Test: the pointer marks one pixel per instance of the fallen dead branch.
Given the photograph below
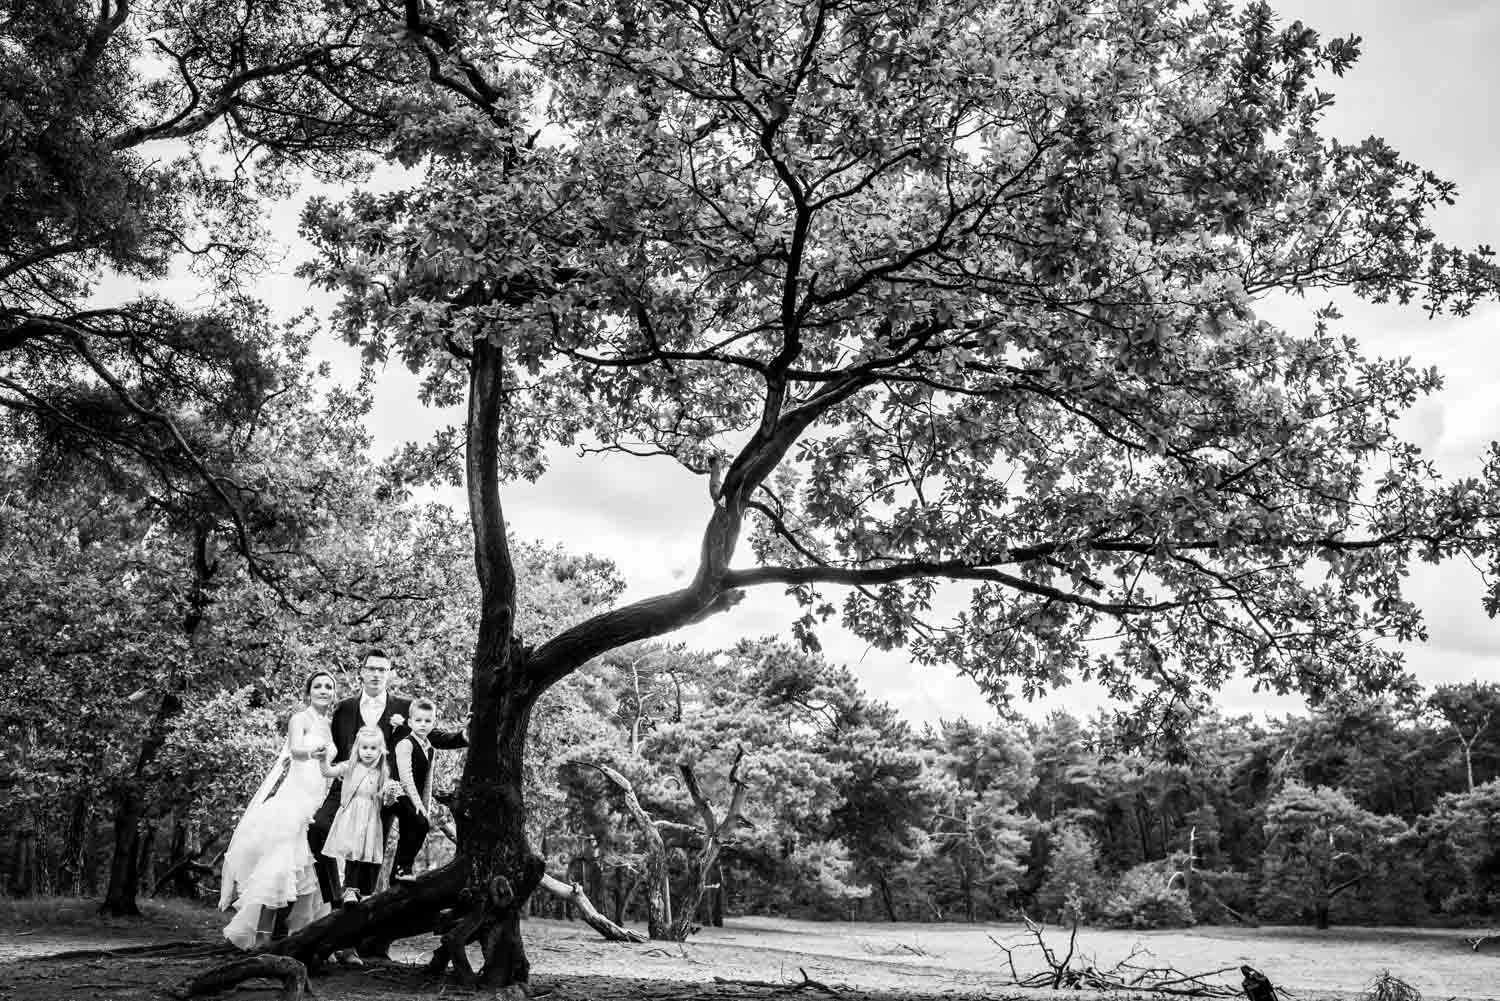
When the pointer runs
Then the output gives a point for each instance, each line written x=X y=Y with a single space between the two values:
x=1072 y=971
x=807 y=984
x=897 y=949
x=573 y=893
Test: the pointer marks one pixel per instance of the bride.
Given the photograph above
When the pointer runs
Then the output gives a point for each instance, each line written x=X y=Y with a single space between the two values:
x=268 y=867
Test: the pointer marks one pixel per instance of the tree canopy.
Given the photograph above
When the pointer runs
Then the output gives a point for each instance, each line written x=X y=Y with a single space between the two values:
x=950 y=294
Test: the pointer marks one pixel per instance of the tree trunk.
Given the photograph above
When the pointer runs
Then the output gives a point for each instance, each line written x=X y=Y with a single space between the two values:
x=124 y=866
x=617 y=894
x=966 y=881
x=130 y=812
x=592 y=875
x=130 y=802
x=185 y=869
x=73 y=869
x=720 y=897
x=706 y=861
x=1320 y=915
x=146 y=865
x=659 y=924
x=697 y=886
x=182 y=879
x=622 y=908
x=882 y=881
x=25 y=867
x=491 y=812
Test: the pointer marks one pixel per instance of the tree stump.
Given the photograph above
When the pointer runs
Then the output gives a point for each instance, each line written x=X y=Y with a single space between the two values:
x=1258 y=986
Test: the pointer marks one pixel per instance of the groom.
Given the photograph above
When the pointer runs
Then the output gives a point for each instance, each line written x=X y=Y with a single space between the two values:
x=374 y=706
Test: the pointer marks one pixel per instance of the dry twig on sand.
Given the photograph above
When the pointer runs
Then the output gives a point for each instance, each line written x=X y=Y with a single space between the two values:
x=1483 y=940
x=807 y=984
x=1388 y=988
x=1073 y=972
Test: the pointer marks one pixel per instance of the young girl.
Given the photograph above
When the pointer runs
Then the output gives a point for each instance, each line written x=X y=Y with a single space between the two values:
x=356 y=834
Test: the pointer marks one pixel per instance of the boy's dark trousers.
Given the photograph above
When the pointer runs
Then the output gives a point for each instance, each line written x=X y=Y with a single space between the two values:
x=414 y=828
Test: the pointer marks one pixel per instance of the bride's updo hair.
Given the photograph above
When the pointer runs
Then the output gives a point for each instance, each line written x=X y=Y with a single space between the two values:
x=307 y=685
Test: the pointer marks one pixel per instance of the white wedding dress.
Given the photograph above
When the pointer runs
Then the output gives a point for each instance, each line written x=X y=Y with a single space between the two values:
x=268 y=863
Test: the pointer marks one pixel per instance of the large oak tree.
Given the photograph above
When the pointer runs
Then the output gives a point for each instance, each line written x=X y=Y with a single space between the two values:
x=964 y=293
x=959 y=293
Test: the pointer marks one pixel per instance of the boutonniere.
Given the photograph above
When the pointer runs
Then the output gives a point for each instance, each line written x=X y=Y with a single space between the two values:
x=397 y=719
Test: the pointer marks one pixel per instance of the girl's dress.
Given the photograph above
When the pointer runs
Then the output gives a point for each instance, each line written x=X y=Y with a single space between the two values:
x=268 y=863
x=356 y=834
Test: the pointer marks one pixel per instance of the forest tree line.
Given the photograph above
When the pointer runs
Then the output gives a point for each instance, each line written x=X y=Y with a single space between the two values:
x=142 y=707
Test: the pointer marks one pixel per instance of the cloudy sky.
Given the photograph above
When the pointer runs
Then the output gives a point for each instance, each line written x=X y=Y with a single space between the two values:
x=1423 y=84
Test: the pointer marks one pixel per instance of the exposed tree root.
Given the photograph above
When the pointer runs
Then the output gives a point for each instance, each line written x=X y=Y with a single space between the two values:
x=292 y=974
x=491 y=918
x=470 y=925
x=439 y=900
x=406 y=909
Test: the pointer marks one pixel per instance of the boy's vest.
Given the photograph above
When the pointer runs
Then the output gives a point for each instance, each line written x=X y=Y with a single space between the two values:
x=421 y=769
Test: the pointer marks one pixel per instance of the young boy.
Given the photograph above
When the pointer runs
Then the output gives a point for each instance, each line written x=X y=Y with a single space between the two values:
x=414 y=772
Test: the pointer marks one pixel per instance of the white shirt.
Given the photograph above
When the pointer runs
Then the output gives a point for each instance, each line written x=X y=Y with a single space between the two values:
x=370 y=709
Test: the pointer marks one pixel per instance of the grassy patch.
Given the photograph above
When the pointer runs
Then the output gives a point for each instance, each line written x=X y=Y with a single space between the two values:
x=159 y=918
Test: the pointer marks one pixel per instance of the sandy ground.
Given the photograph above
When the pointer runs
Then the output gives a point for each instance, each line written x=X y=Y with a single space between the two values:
x=878 y=962
x=1438 y=962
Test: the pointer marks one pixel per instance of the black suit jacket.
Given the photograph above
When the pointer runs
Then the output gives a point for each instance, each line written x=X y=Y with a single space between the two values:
x=346 y=723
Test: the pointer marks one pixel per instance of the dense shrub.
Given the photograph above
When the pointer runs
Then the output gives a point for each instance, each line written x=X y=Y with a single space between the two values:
x=1223 y=896
x=1145 y=896
x=1072 y=887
